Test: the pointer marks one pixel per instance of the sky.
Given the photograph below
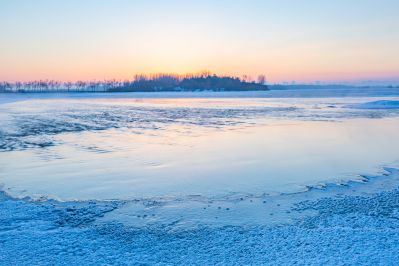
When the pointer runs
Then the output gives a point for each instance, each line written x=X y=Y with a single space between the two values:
x=287 y=40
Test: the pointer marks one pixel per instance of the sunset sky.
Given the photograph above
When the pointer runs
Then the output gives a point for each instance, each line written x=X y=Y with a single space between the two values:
x=302 y=41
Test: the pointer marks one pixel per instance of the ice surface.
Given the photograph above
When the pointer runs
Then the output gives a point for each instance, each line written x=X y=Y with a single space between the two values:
x=169 y=147
x=28 y=123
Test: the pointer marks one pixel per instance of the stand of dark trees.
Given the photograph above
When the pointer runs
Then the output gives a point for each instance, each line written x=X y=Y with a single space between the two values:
x=142 y=83
x=194 y=83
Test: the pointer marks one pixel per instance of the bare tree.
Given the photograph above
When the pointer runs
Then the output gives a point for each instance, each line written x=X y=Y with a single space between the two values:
x=262 y=79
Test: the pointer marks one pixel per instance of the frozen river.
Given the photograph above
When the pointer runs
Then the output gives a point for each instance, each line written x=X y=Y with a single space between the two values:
x=185 y=161
x=127 y=148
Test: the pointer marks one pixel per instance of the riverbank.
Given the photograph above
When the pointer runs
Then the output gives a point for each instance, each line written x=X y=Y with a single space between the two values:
x=356 y=226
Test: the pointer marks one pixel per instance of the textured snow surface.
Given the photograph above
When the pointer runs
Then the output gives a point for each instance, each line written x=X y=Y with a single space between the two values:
x=359 y=229
x=382 y=104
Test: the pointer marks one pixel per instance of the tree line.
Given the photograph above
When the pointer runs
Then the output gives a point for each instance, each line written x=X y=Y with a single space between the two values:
x=141 y=83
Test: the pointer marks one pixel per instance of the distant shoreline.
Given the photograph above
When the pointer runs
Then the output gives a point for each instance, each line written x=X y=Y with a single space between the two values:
x=142 y=83
x=265 y=88
x=243 y=87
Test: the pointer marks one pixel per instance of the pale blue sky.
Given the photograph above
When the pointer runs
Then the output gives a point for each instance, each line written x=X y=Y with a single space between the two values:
x=304 y=40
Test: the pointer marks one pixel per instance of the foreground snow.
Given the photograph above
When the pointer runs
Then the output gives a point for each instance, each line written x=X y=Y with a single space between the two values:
x=343 y=229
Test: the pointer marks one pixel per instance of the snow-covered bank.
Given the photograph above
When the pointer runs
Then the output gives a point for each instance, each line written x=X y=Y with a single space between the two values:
x=382 y=104
x=275 y=92
x=359 y=225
